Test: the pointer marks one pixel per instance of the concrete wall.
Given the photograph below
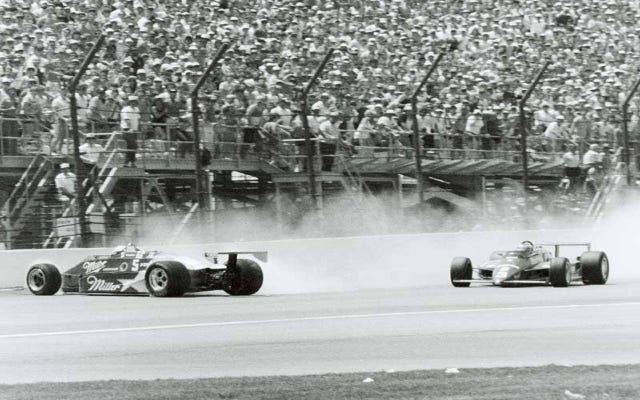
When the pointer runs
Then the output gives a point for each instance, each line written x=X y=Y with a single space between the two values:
x=351 y=263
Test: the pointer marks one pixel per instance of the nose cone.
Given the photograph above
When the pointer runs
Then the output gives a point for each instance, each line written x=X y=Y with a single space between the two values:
x=503 y=273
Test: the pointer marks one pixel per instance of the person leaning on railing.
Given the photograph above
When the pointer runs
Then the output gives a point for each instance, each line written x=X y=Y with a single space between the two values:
x=130 y=124
x=273 y=134
x=9 y=127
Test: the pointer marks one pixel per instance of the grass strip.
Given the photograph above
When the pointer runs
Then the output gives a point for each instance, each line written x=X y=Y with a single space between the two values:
x=551 y=382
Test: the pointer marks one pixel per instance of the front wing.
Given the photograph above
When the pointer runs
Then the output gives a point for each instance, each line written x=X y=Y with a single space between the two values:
x=509 y=282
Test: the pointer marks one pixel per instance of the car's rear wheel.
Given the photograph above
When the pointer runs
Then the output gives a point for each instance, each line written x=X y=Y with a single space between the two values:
x=595 y=267
x=461 y=269
x=44 y=279
x=246 y=278
x=560 y=272
x=167 y=279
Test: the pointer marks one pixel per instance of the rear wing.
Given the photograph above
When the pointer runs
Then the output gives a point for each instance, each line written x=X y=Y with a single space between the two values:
x=557 y=246
x=233 y=256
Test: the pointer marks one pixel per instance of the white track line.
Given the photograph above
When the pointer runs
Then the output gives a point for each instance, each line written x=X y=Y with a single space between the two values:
x=300 y=319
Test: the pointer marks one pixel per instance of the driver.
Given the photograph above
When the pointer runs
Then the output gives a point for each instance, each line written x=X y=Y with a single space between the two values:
x=129 y=248
x=525 y=247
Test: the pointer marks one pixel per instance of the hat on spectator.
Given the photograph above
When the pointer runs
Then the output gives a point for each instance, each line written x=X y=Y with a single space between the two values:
x=64 y=165
x=90 y=135
x=132 y=98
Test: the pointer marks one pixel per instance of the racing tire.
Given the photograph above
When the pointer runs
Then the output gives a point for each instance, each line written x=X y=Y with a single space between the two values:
x=246 y=278
x=167 y=279
x=461 y=268
x=595 y=267
x=560 y=272
x=44 y=279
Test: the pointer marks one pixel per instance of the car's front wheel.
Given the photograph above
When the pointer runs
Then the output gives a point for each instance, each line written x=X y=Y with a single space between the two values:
x=560 y=272
x=167 y=279
x=245 y=278
x=44 y=279
x=461 y=269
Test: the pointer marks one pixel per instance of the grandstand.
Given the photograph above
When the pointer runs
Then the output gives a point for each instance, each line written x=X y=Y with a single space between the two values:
x=266 y=144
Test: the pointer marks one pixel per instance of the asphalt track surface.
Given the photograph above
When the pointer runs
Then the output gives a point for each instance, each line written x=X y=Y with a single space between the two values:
x=75 y=338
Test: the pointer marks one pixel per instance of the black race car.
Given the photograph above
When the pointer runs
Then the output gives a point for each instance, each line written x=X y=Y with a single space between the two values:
x=130 y=270
x=529 y=264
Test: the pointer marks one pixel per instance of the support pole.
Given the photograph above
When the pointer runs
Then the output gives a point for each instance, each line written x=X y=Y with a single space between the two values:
x=305 y=123
x=523 y=133
x=75 y=131
x=625 y=128
x=195 y=114
x=417 y=146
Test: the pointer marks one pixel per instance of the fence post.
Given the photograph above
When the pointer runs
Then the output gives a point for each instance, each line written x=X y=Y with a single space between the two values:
x=625 y=129
x=417 y=145
x=79 y=170
x=523 y=133
x=196 y=129
x=305 y=123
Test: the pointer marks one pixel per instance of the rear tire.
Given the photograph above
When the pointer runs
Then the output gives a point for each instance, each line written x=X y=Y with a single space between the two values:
x=167 y=279
x=595 y=267
x=246 y=278
x=44 y=279
x=560 y=272
x=461 y=268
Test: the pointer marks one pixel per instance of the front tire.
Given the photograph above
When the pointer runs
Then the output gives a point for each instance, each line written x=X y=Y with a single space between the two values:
x=44 y=279
x=595 y=267
x=246 y=278
x=461 y=268
x=168 y=279
x=560 y=272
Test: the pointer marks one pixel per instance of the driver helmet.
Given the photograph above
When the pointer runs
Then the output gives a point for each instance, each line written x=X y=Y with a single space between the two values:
x=118 y=249
x=525 y=247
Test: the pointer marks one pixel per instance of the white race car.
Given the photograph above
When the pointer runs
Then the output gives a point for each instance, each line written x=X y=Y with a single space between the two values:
x=130 y=270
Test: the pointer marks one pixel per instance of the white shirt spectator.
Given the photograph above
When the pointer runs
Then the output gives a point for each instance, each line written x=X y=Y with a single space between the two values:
x=592 y=156
x=474 y=124
x=571 y=160
x=66 y=185
x=90 y=152
x=130 y=118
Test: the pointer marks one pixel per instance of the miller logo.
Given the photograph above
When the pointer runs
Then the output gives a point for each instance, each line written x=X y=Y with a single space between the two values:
x=93 y=266
x=100 y=285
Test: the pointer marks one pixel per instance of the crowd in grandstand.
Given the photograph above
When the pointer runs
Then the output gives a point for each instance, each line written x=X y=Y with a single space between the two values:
x=155 y=51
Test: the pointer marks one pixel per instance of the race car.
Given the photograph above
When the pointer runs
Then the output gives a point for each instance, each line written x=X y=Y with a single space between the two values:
x=129 y=270
x=531 y=264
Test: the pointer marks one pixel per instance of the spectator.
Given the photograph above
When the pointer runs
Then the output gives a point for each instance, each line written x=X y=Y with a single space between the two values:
x=592 y=158
x=65 y=184
x=90 y=151
x=330 y=135
x=493 y=50
x=556 y=133
x=130 y=124
x=97 y=115
x=571 y=162
x=61 y=115
x=9 y=125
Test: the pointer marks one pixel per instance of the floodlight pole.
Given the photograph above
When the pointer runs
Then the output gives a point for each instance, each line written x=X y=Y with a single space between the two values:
x=195 y=114
x=523 y=132
x=417 y=146
x=75 y=131
x=305 y=123
x=625 y=128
